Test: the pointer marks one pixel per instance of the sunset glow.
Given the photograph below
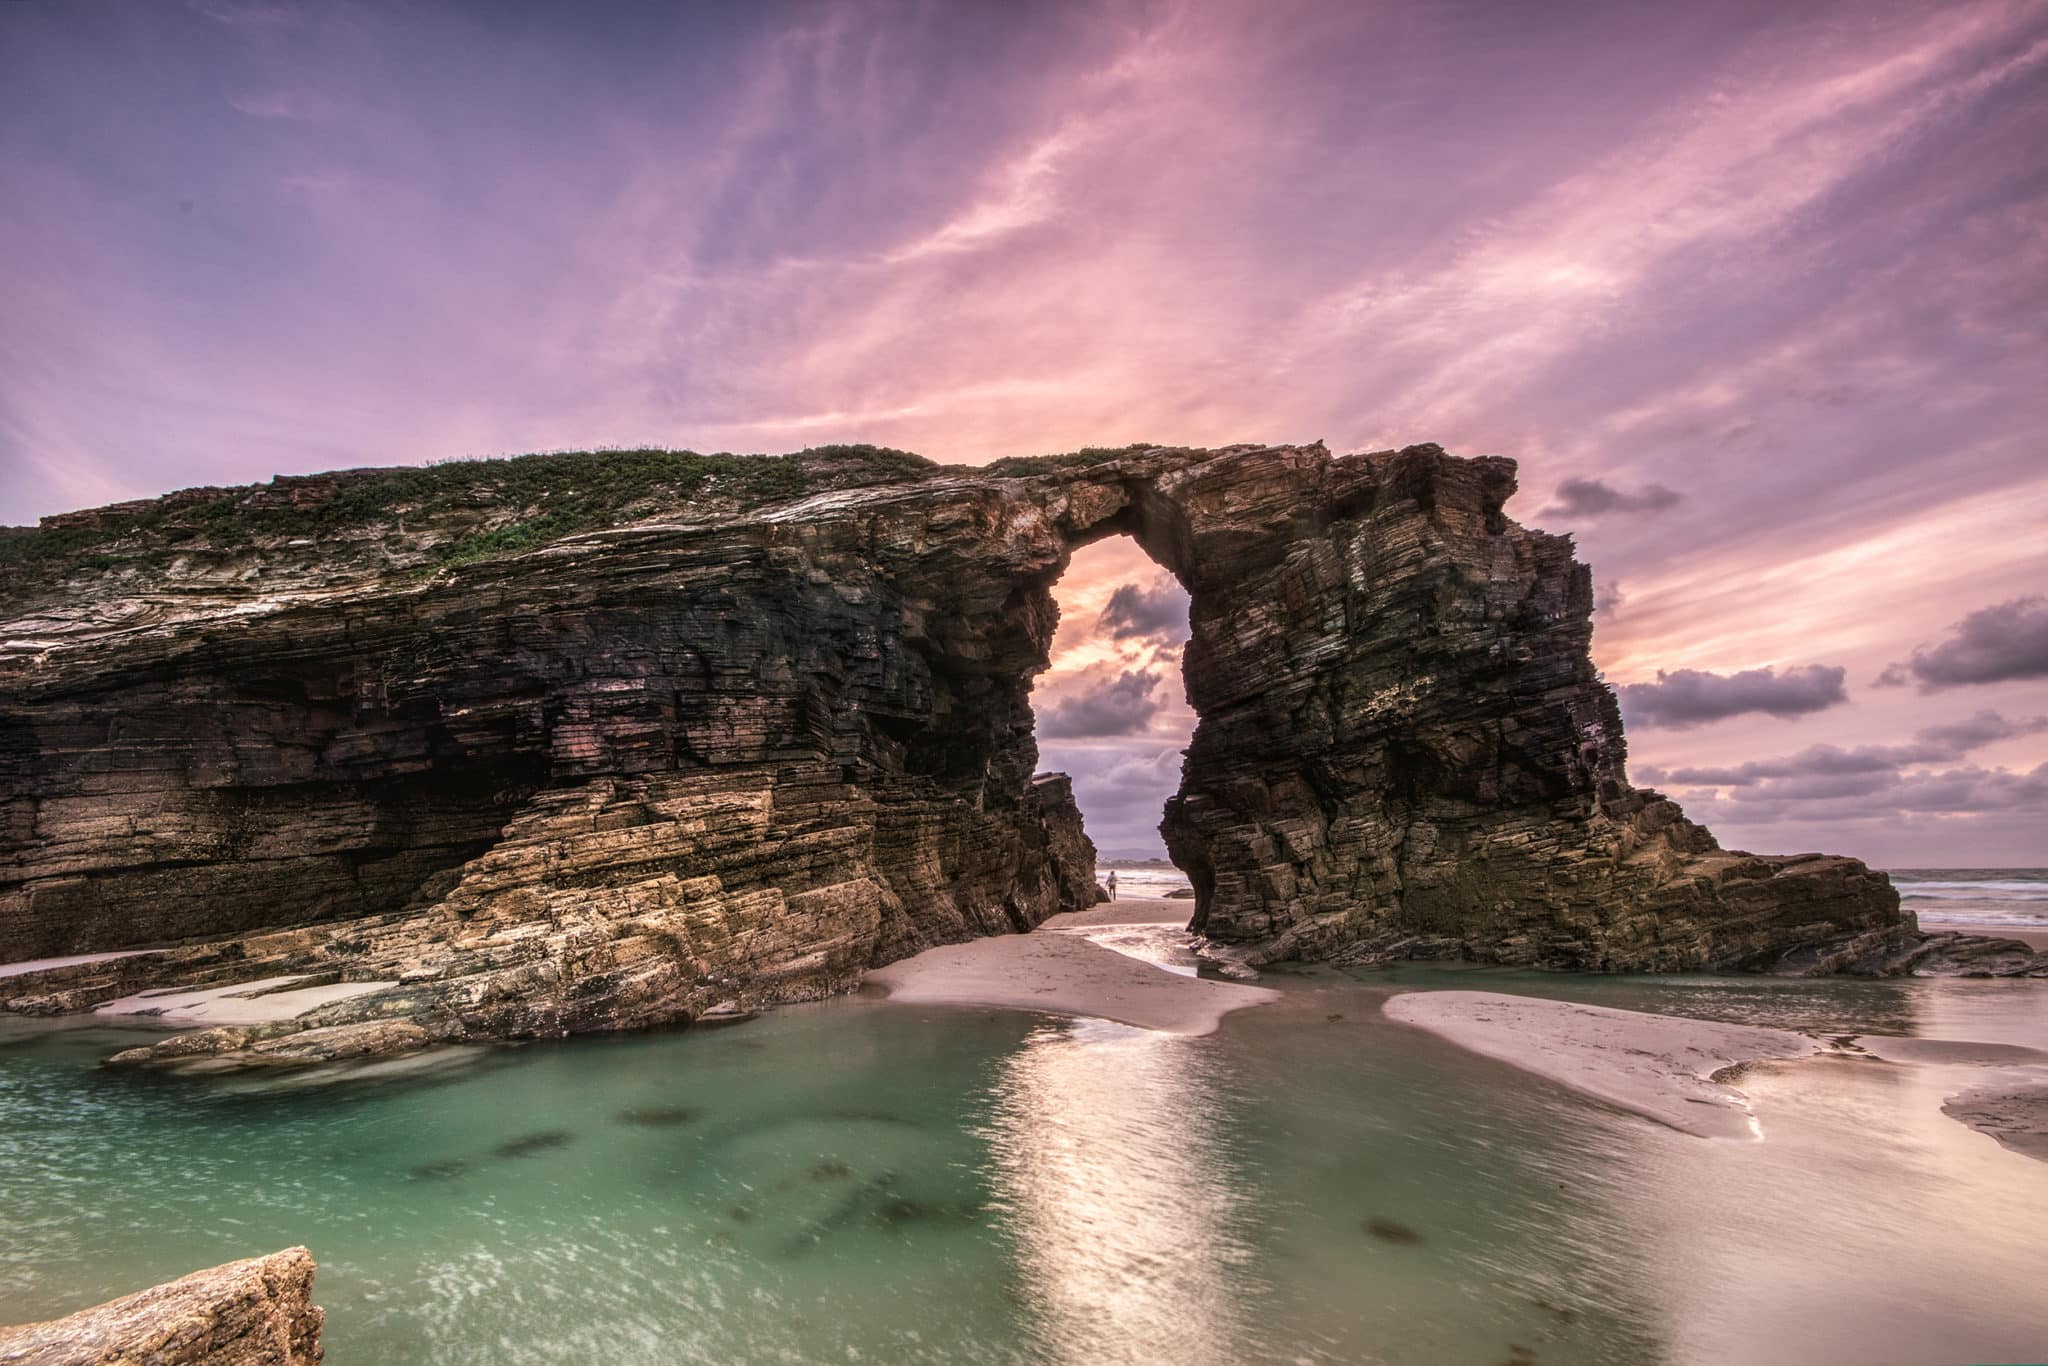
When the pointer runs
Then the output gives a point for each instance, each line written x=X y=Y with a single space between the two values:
x=1755 y=294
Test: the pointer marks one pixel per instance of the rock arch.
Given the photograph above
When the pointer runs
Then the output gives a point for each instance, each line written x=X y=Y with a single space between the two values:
x=1403 y=746
x=697 y=763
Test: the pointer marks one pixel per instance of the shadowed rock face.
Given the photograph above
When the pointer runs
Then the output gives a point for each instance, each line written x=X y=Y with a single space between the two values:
x=257 y=1312
x=735 y=755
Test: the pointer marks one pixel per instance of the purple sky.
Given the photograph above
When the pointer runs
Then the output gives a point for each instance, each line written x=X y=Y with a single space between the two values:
x=1758 y=295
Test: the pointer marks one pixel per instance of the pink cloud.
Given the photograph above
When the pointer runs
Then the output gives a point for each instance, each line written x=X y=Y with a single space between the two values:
x=1777 y=263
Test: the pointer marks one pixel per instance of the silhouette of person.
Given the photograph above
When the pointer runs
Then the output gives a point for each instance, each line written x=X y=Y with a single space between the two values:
x=1112 y=884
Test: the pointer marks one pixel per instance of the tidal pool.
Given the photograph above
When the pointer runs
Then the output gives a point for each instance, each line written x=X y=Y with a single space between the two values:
x=857 y=1181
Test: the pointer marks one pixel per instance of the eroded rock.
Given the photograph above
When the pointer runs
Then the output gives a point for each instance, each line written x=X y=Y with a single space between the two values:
x=745 y=749
x=258 y=1312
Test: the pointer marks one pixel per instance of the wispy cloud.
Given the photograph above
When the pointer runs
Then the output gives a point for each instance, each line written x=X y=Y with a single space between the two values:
x=1776 y=259
x=1025 y=194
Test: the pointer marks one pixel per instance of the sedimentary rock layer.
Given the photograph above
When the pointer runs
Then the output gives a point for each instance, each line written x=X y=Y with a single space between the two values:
x=743 y=748
x=258 y=1312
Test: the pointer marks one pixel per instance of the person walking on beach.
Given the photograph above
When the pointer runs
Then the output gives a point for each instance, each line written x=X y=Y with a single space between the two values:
x=1112 y=884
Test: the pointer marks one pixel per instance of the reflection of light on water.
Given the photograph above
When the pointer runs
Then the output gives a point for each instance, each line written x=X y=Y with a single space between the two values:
x=1163 y=946
x=1111 y=1173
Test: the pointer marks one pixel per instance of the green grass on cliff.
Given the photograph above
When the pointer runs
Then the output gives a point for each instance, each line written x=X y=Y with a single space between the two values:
x=461 y=511
x=474 y=509
x=1019 y=466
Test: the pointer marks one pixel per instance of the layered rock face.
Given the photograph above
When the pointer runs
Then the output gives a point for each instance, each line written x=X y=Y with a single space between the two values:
x=258 y=1312
x=736 y=753
x=1404 y=748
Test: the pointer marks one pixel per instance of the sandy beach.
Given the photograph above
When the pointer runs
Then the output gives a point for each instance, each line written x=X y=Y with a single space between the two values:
x=1658 y=1066
x=1067 y=974
x=1677 y=1070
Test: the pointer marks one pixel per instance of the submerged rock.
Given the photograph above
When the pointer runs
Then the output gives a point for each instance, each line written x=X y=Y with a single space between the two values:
x=778 y=732
x=545 y=1141
x=258 y=1312
x=1392 y=1231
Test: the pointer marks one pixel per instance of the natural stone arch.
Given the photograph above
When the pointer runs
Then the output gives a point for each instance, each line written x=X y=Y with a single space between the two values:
x=1402 y=744
x=746 y=753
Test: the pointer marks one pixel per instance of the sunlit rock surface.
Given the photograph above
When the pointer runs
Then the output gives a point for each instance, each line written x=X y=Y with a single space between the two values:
x=258 y=1312
x=765 y=735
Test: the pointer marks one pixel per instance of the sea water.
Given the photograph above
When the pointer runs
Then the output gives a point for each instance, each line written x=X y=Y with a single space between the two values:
x=1969 y=898
x=859 y=1181
x=1153 y=877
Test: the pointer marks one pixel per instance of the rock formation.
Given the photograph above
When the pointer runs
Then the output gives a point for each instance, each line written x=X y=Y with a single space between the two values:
x=258 y=1312
x=737 y=730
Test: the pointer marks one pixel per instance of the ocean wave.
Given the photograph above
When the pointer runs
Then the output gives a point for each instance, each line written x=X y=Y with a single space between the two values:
x=1988 y=917
x=1144 y=881
x=1974 y=877
x=1972 y=891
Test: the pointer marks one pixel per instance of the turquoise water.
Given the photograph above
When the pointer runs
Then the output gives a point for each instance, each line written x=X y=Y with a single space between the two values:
x=856 y=1181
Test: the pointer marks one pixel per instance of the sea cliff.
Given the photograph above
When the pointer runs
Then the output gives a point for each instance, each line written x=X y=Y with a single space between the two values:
x=576 y=743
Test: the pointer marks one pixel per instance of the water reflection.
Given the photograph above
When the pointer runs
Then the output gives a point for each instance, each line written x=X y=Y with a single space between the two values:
x=1112 y=1172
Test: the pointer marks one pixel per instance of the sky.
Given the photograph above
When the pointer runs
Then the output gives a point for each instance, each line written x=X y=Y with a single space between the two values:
x=1757 y=294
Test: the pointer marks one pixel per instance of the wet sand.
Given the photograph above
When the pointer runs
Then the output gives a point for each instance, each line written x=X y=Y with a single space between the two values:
x=1065 y=974
x=1676 y=1070
x=1658 y=1066
x=2013 y=1110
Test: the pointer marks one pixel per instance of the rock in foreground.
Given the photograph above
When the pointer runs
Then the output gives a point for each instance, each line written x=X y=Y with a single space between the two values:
x=258 y=1312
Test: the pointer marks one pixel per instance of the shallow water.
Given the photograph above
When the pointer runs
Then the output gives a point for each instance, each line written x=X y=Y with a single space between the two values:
x=858 y=1181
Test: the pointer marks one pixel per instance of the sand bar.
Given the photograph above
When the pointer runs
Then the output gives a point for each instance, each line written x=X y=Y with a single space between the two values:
x=244 y=1003
x=1658 y=1066
x=1064 y=974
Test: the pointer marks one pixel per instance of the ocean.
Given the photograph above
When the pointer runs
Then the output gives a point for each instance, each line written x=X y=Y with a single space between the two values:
x=1145 y=879
x=1944 y=897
